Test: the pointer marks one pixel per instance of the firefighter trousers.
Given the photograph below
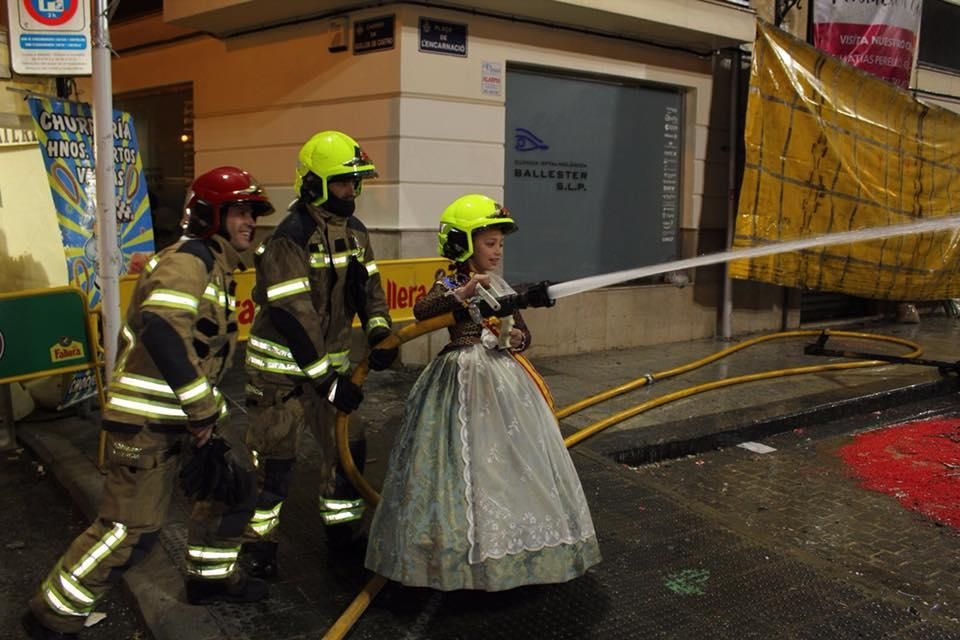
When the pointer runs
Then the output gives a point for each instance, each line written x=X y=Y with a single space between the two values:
x=141 y=478
x=279 y=411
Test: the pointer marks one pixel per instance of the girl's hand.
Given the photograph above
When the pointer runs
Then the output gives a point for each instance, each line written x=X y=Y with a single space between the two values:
x=470 y=289
x=516 y=339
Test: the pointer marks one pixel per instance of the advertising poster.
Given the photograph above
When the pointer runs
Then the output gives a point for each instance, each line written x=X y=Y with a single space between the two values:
x=878 y=37
x=65 y=134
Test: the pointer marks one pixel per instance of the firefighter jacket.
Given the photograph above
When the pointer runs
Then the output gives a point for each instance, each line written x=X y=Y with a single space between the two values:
x=314 y=273
x=178 y=339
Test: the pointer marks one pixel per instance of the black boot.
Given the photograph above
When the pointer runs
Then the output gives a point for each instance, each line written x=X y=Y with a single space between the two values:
x=37 y=631
x=345 y=553
x=259 y=559
x=237 y=588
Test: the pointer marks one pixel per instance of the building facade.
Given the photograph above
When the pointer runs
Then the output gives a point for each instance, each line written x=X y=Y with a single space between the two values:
x=605 y=126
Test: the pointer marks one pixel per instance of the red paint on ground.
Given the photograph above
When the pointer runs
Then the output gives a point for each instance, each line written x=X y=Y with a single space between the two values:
x=918 y=463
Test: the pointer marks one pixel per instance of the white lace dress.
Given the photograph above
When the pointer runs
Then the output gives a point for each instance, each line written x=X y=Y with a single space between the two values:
x=480 y=491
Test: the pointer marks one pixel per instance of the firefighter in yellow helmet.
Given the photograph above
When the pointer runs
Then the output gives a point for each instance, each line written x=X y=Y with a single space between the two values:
x=178 y=339
x=315 y=273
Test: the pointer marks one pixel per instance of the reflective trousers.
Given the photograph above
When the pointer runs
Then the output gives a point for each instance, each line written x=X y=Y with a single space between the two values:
x=142 y=475
x=279 y=411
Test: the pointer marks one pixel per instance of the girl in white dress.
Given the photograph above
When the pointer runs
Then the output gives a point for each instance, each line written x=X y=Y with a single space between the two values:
x=480 y=491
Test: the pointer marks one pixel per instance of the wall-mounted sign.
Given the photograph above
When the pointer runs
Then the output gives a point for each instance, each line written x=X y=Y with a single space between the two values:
x=376 y=34
x=15 y=136
x=491 y=78
x=449 y=38
x=50 y=37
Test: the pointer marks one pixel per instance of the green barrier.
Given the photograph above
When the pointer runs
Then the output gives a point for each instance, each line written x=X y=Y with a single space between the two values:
x=45 y=332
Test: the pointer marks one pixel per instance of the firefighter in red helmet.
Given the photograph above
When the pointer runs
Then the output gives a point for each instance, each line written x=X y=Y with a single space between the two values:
x=178 y=339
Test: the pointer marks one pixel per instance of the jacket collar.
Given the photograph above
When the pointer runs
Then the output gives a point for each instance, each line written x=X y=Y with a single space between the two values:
x=323 y=216
x=224 y=253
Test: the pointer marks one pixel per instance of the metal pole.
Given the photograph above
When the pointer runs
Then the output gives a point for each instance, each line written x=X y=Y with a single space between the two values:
x=108 y=248
x=726 y=316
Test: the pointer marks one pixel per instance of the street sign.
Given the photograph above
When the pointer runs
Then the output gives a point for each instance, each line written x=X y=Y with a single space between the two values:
x=376 y=34
x=49 y=37
x=449 y=38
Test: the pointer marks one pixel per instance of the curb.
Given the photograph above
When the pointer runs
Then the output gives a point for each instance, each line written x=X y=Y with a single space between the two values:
x=729 y=428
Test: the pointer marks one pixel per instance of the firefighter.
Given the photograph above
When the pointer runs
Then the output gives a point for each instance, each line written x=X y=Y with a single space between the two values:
x=177 y=341
x=314 y=274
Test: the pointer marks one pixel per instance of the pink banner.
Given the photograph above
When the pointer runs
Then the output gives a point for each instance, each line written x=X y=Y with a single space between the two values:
x=879 y=37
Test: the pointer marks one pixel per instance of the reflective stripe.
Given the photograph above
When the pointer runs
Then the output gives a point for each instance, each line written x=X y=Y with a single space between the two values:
x=318 y=367
x=268 y=514
x=334 y=510
x=264 y=521
x=172 y=299
x=144 y=407
x=196 y=389
x=221 y=404
x=56 y=601
x=340 y=360
x=107 y=543
x=143 y=383
x=332 y=517
x=372 y=268
x=213 y=571
x=333 y=504
x=206 y=554
x=377 y=321
x=341 y=259
x=151 y=264
x=269 y=364
x=288 y=288
x=318 y=260
x=261 y=249
x=215 y=295
x=263 y=528
x=75 y=590
x=231 y=302
x=271 y=348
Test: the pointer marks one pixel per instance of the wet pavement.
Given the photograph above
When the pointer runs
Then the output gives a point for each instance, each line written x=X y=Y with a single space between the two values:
x=724 y=543
x=39 y=521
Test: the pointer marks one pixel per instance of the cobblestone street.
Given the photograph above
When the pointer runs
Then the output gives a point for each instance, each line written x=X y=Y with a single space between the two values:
x=801 y=500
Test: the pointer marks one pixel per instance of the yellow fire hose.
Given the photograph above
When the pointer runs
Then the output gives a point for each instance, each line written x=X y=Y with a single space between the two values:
x=349 y=617
x=597 y=427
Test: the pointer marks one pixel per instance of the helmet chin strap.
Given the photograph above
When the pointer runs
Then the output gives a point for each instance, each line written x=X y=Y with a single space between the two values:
x=339 y=206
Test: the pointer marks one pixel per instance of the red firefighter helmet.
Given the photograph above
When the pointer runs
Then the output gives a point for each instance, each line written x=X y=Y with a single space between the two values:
x=213 y=192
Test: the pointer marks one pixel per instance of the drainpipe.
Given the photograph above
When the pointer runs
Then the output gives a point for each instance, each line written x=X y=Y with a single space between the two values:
x=726 y=315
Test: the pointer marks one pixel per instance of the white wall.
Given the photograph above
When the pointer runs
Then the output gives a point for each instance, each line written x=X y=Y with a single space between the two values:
x=31 y=251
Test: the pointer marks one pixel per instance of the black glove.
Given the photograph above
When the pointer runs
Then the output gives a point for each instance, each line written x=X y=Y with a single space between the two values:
x=381 y=359
x=533 y=295
x=355 y=290
x=193 y=473
x=211 y=473
x=341 y=392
